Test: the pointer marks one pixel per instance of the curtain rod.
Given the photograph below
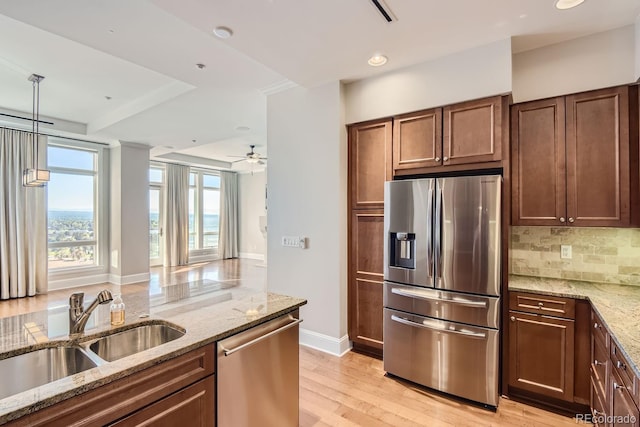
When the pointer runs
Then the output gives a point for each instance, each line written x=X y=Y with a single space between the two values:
x=195 y=167
x=56 y=136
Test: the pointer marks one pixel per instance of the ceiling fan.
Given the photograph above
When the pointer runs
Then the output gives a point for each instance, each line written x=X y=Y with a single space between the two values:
x=251 y=157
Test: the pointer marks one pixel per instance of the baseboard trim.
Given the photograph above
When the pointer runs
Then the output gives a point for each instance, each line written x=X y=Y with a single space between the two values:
x=325 y=343
x=127 y=280
x=54 y=285
x=250 y=255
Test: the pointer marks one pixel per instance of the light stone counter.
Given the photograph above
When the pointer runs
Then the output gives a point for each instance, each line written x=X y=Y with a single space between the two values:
x=208 y=312
x=617 y=305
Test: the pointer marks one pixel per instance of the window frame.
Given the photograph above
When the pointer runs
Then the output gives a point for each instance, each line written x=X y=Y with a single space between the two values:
x=200 y=253
x=158 y=185
x=100 y=206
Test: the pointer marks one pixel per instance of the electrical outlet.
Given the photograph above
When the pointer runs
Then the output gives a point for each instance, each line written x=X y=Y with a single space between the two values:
x=565 y=252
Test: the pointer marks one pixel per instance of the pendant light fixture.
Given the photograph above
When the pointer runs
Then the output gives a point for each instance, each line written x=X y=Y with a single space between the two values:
x=35 y=177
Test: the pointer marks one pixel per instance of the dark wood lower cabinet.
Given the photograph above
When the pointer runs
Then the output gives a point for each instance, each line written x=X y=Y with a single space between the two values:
x=541 y=354
x=192 y=406
x=171 y=393
x=548 y=342
x=623 y=409
x=366 y=281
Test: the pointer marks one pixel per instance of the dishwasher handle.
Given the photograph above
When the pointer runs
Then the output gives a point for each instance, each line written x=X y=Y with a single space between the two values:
x=229 y=352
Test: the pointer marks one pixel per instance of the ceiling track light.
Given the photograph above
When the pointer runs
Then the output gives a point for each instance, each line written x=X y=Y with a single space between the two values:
x=35 y=177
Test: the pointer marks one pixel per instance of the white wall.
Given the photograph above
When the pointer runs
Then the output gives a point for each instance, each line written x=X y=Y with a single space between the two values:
x=129 y=213
x=637 y=50
x=307 y=197
x=251 y=205
x=471 y=74
x=591 y=62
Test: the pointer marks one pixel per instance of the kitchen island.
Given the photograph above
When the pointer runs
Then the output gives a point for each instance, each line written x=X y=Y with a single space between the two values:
x=208 y=312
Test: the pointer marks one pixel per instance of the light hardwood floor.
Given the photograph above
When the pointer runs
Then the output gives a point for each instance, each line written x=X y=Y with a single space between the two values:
x=353 y=391
x=334 y=391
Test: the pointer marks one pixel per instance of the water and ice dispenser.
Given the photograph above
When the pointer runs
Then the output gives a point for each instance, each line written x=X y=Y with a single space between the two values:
x=402 y=250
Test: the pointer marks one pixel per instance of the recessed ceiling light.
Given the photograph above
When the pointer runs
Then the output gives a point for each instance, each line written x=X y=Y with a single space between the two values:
x=377 y=60
x=223 y=32
x=243 y=128
x=567 y=4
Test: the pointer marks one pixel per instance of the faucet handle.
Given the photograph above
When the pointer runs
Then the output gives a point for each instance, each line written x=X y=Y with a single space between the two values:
x=76 y=299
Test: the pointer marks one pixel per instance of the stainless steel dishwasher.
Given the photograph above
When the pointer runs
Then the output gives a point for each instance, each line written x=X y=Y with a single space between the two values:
x=258 y=375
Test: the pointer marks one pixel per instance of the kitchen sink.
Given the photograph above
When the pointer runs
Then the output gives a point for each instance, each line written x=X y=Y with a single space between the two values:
x=39 y=367
x=125 y=343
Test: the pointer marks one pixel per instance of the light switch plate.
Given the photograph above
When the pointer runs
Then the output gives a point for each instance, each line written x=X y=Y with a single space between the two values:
x=294 y=242
x=565 y=252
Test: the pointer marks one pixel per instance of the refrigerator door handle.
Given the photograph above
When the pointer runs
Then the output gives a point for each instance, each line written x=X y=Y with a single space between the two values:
x=437 y=230
x=424 y=296
x=430 y=238
x=407 y=322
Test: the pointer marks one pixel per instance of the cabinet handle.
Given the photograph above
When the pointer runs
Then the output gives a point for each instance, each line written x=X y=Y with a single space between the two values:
x=513 y=318
x=596 y=413
x=595 y=362
x=621 y=365
x=596 y=326
x=541 y=304
x=571 y=220
x=562 y=219
x=437 y=159
x=445 y=158
x=617 y=386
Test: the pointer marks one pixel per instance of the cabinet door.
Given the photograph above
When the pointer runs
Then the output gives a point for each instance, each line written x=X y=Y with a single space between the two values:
x=365 y=278
x=417 y=140
x=472 y=132
x=623 y=410
x=369 y=163
x=192 y=406
x=541 y=354
x=597 y=137
x=538 y=163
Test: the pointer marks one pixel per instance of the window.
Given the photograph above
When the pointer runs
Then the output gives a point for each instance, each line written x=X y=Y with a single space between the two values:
x=156 y=182
x=204 y=211
x=73 y=209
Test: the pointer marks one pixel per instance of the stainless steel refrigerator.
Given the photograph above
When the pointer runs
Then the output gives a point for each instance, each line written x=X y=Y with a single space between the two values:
x=442 y=284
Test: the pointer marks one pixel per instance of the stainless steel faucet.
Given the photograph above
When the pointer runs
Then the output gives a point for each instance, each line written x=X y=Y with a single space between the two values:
x=78 y=316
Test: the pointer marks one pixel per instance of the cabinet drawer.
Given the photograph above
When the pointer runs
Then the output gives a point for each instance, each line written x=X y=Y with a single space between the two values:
x=543 y=304
x=598 y=408
x=621 y=366
x=600 y=368
x=598 y=330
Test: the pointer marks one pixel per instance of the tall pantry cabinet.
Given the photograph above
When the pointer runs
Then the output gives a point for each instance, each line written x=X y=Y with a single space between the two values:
x=369 y=167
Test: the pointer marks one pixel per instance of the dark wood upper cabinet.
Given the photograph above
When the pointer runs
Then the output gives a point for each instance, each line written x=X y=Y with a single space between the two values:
x=597 y=137
x=574 y=159
x=417 y=140
x=472 y=132
x=369 y=163
x=538 y=162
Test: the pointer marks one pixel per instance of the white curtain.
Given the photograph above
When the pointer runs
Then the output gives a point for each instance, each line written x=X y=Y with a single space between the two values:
x=228 y=238
x=176 y=215
x=23 y=218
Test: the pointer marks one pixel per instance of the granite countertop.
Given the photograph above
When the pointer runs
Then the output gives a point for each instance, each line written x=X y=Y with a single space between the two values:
x=207 y=312
x=617 y=305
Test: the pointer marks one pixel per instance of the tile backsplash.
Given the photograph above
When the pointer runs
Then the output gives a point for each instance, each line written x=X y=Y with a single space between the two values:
x=603 y=255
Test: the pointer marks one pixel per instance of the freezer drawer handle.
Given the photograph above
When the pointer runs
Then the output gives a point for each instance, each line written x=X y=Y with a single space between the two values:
x=420 y=295
x=229 y=352
x=425 y=326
